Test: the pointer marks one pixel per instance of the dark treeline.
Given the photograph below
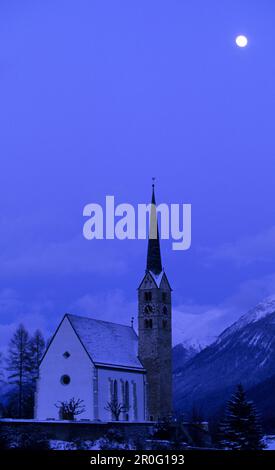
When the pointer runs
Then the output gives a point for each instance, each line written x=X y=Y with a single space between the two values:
x=21 y=369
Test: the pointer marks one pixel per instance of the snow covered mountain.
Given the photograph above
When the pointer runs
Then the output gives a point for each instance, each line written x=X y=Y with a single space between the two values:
x=260 y=311
x=244 y=352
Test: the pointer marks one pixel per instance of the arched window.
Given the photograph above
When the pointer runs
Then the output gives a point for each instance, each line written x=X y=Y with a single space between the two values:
x=164 y=310
x=151 y=323
x=135 y=401
x=115 y=391
x=126 y=398
x=164 y=296
x=164 y=323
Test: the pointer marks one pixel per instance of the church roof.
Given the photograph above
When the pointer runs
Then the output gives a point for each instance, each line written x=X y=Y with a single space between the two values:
x=107 y=343
x=153 y=253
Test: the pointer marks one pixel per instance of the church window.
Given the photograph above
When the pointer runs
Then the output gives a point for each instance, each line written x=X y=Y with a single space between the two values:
x=65 y=379
x=66 y=355
x=135 y=403
x=165 y=311
x=115 y=390
x=164 y=297
x=126 y=398
x=148 y=296
x=148 y=323
x=164 y=323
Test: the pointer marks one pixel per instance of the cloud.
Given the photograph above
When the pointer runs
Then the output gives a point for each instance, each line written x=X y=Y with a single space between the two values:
x=193 y=322
x=257 y=248
x=198 y=325
x=42 y=244
x=71 y=256
x=14 y=310
x=110 y=306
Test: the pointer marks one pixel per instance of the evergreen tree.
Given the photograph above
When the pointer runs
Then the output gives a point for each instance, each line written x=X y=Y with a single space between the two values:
x=19 y=365
x=240 y=429
x=36 y=350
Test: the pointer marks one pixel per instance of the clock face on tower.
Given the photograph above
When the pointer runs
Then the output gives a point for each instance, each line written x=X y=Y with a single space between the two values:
x=148 y=308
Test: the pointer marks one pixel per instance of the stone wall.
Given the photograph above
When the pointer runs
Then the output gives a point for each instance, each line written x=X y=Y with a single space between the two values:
x=71 y=430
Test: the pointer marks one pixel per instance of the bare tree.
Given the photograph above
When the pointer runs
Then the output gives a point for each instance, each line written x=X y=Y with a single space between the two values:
x=115 y=407
x=70 y=409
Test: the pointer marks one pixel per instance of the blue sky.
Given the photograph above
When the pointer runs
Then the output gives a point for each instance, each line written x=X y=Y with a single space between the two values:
x=96 y=98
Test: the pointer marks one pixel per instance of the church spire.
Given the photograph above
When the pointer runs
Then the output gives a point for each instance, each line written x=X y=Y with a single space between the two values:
x=153 y=253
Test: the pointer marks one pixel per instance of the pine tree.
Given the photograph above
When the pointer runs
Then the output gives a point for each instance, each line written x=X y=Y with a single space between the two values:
x=36 y=350
x=19 y=366
x=240 y=429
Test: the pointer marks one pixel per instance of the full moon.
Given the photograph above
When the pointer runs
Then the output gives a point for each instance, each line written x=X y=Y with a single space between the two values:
x=241 y=41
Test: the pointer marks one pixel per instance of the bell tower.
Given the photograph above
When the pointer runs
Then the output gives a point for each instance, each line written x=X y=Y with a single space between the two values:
x=154 y=325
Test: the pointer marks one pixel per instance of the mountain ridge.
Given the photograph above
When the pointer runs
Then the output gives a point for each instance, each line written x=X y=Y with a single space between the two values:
x=244 y=352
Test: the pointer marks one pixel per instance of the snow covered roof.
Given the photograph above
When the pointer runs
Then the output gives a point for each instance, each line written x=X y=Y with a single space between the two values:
x=107 y=343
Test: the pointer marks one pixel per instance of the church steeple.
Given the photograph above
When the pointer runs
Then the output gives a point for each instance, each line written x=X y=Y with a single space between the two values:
x=153 y=253
x=155 y=328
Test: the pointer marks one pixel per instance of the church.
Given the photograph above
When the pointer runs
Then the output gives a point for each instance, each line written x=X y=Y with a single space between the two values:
x=106 y=364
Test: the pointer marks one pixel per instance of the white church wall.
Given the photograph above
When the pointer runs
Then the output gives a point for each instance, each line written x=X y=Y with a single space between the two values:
x=77 y=366
x=136 y=393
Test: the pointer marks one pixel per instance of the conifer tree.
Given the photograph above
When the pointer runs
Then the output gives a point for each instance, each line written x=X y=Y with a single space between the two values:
x=240 y=429
x=19 y=365
x=36 y=350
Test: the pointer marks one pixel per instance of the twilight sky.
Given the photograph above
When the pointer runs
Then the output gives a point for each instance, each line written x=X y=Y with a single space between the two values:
x=98 y=96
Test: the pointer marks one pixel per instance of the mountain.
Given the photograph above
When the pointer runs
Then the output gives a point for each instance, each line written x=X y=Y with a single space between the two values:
x=261 y=310
x=182 y=353
x=244 y=352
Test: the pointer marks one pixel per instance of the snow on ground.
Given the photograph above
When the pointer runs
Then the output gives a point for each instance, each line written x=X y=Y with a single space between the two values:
x=88 y=445
x=68 y=445
x=270 y=442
